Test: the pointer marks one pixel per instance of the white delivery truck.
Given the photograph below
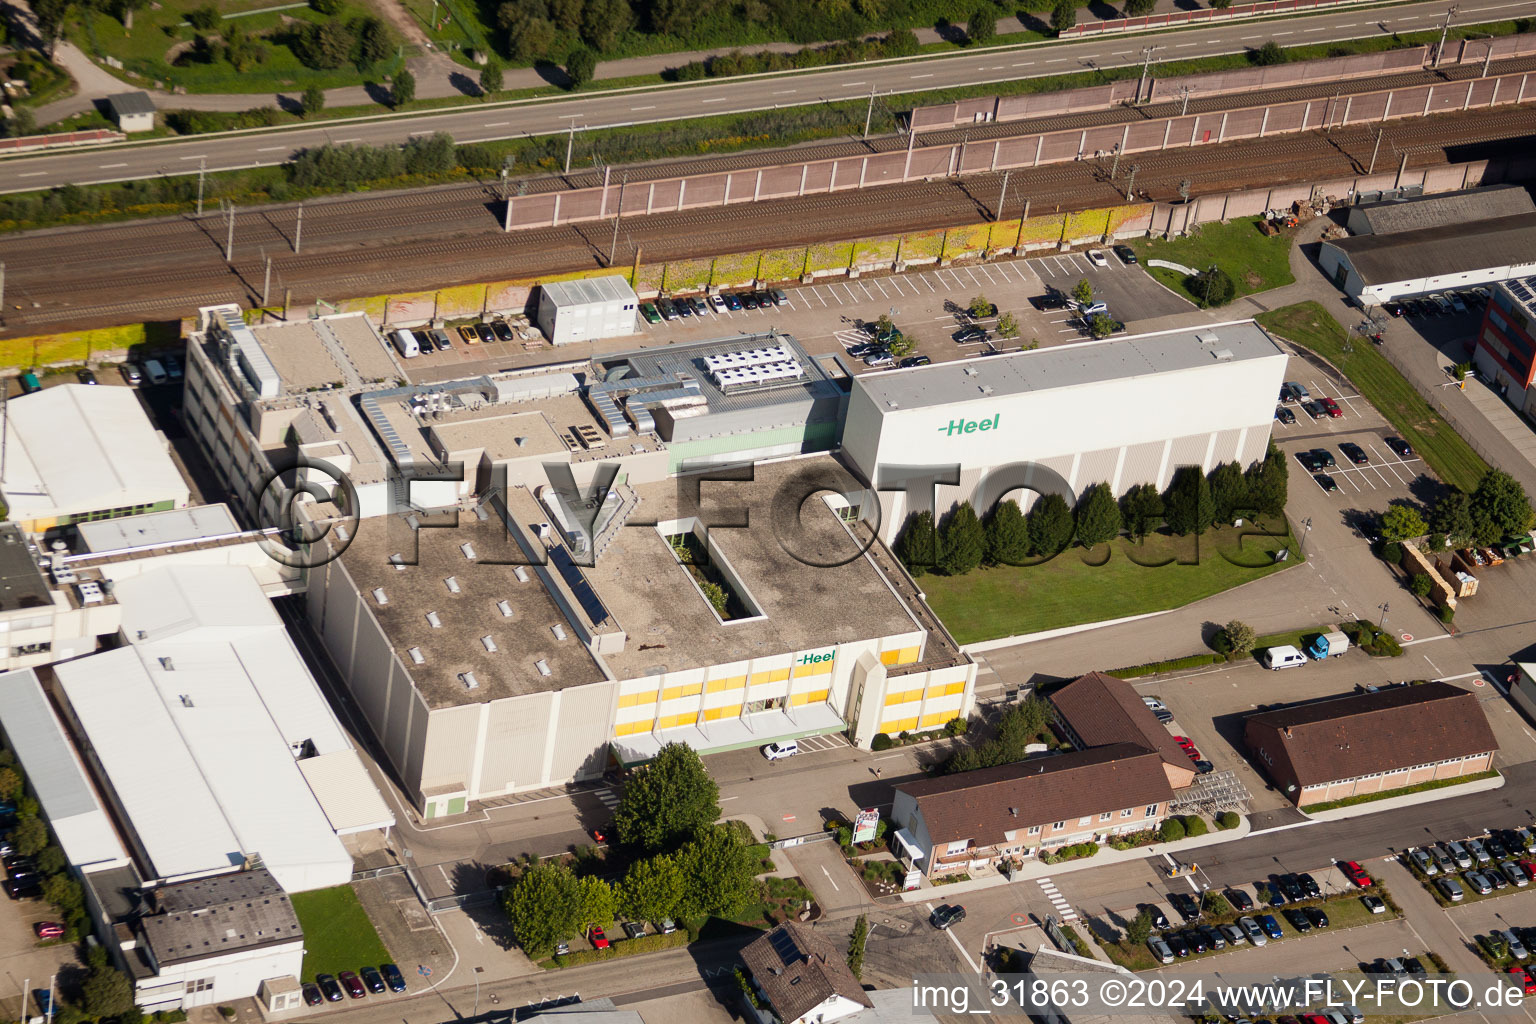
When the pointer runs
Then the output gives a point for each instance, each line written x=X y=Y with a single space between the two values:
x=407 y=344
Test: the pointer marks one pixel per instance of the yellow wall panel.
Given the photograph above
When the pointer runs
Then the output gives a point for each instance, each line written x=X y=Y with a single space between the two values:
x=777 y=675
x=808 y=698
x=909 y=655
x=726 y=712
x=903 y=697
x=819 y=668
x=626 y=728
x=732 y=683
x=889 y=657
x=937 y=718
x=945 y=689
x=897 y=725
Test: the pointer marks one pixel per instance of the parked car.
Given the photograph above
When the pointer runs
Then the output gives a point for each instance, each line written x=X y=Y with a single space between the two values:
x=683 y=306
x=1155 y=914
x=1297 y=920
x=1355 y=873
x=947 y=914
x=1194 y=940
x=918 y=360
x=748 y=300
x=700 y=307
x=1096 y=258
x=1459 y=854
x=1400 y=447
x=327 y=983
x=1127 y=255
x=23 y=888
x=667 y=310
x=1310 y=461
x=1284 y=415
x=312 y=996
x=1160 y=950
x=1312 y=409
x=172 y=366
x=353 y=984
x=1477 y=883
x=1308 y=885
x=1522 y=979
x=1450 y=888
x=392 y=977
x=373 y=979
x=648 y=311
x=1494 y=876
x=1177 y=944
x=1326 y=482
x=1394 y=308
x=1374 y=904
x=781 y=749
x=880 y=358
x=85 y=375
x=48 y=929
x=502 y=330
x=1185 y=905
x=970 y=335
x=1424 y=862
x=1271 y=926
x=717 y=302
x=1213 y=937
x=732 y=300
x=634 y=929
x=467 y=334
x=1529 y=867
x=1354 y=453
x=1331 y=408
x=131 y=373
x=1516 y=947
x=1492 y=843
x=441 y=340
x=778 y=296
x=1443 y=858
x=1476 y=849
x=1253 y=930
x=485 y=333
x=1234 y=934
x=597 y=937
x=667 y=926
x=1316 y=916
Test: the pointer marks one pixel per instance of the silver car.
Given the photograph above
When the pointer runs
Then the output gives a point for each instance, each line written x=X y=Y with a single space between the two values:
x=1424 y=862
x=1514 y=874
x=1253 y=931
x=1161 y=951
x=1476 y=848
x=1516 y=947
x=1478 y=883
x=1459 y=854
x=1450 y=888
x=1233 y=933
x=1446 y=862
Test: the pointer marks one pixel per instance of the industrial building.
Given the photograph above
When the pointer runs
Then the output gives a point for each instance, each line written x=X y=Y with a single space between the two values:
x=1355 y=744
x=1505 y=352
x=587 y=308
x=1122 y=412
x=1438 y=210
x=1378 y=268
x=76 y=453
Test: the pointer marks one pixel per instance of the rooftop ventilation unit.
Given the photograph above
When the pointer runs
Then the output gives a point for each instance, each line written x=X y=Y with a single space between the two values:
x=1207 y=338
x=380 y=596
x=970 y=371
x=452 y=583
x=1222 y=355
x=469 y=551
x=416 y=656
x=490 y=643
x=543 y=667
x=505 y=607
x=436 y=622
x=398 y=561
x=469 y=680
x=481 y=514
x=520 y=573
x=186 y=701
x=341 y=532
x=167 y=664
x=558 y=630
x=90 y=592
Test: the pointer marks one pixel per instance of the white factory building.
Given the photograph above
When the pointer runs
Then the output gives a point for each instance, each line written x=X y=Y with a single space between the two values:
x=587 y=308
x=79 y=453
x=1377 y=268
x=1123 y=412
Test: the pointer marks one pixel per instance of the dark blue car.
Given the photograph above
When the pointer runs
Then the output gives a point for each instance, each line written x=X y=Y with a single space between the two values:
x=393 y=978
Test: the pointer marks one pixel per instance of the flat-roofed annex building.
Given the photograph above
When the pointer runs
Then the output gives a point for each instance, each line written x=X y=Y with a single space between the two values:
x=1354 y=744
x=1122 y=412
x=483 y=676
x=587 y=308
x=1379 y=268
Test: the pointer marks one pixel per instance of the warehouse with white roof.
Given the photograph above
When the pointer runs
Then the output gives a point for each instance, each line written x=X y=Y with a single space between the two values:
x=210 y=682
x=587 y=308
x=76 y=453
x=1122 y=412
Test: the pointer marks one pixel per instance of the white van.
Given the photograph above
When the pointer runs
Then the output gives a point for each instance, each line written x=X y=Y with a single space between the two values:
x=782 y=749
x=155 y=372
x=406 y=343
x=1277 y=658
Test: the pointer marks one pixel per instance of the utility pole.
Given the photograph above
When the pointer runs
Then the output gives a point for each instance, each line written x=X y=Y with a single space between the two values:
x=1487 y=58
x=229 y=244
x=298 y=231
x=1444 y=29
x=570 y=143
x=995 y=217
x=1185 y=109
x=266 y=283
x=1146 y=66
x=202 y=168
x=613 y=246
x=1374 y=150
x=1130 y=186
x=506 y=198
x=1114 y=171
x=870 y=113
x=2 y=292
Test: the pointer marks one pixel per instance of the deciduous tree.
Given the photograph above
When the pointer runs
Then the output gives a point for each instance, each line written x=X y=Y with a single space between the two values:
x=313 y=101
x=580 y=66
x=982 y=28
x=1500 y=508
x=651 y=889
x=721 y=873
x=1083 y=291
x=1402 y=522
x=667 y=801
x=403 y=88
x=1240 y=637
x=490 y=79
x=604 y=21
x=543 y=906
x=1063 y=15
x=106 y=992
x=1452 y=516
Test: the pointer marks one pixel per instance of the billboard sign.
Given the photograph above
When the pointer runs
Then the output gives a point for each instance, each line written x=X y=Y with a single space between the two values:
x=866 y=825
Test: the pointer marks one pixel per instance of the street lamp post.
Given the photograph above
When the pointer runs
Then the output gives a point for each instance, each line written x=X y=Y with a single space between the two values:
x=1385 y=607
x=478 y=971
x=1306 y=525
x=1445 y=28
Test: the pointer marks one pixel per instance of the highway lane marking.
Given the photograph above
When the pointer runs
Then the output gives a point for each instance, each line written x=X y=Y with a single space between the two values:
x=651 y=107
x=269 y=149
x=342 y=142
x=784 y=92
x=1245 y=38
x=107 y=167
x=1181 y=45
x=922 y=76
x=497 y=124
x=718 y=99
x=33 y=174
x=1058 y=60
x=415 y=134
x=200 y=156
x=1285 y=33
x=1024 y=64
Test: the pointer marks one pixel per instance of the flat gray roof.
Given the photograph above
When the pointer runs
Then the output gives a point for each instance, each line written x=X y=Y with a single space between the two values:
x=1436 y=252
x=1066 y=366
x=674 y=361
x=132 y=103
x=34 y=734
x=21 y=581
x=218 y=915
x=581 y=290
x=455 y=647
x=1411 y=213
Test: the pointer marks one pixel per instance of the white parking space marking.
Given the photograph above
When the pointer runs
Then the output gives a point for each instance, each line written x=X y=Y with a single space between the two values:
x=882 y=288
x=988 y=274
x=927 y=282
x=818 y=295
x=865 y=288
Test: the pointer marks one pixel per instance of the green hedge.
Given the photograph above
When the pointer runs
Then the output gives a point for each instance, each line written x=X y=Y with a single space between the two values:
x=626 y=947
x=1172 y=665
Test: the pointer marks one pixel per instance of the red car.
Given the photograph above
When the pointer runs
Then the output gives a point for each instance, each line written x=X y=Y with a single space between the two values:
x=353 y=984
x=48 y=929
x=1330 y=407
x=1529 y=867
x=1355 y=873
x=1183 y=741
x=1523 y=978
x=597 y=938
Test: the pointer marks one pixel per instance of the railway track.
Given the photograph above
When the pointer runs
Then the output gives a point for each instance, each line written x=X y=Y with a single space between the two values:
x=379 y=244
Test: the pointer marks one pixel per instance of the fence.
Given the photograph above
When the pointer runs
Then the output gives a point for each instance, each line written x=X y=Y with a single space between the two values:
x=1099 y=28
x=984 y=109
x=612 y=200
x=88 y=138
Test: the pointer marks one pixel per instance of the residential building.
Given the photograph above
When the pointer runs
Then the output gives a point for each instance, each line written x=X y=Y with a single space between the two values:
x=1124 y=411
x=802 y=978
x=78 y=453
x=1356 y=744
x=1098 y=710
x=1373 y=269
x=587 y=308
x=974 y=820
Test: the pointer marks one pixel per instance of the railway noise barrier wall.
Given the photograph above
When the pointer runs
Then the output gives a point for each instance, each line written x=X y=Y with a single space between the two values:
x=93 y=137
x=1111 y=25
x=666 y=195
x=986 y=109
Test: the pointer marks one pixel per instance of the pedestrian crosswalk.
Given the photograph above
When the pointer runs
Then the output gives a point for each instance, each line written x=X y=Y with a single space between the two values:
x=831 y=741
x=609 y=798
x=1063 y=908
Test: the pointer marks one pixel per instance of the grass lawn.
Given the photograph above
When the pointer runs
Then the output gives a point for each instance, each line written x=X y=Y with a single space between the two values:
x=1388 y=794
x=337 y=933
x=1452 y=459
x=1254 y=261
x=1005 y=600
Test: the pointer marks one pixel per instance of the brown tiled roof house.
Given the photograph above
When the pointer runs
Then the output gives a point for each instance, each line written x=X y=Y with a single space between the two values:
x=1097 y=709
x=803 y=976
x=1356 y=744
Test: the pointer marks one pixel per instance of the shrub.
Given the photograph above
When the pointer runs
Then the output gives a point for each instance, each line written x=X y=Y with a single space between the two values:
x=1227 y=819
x=1421 y=584
x=900 y=43
x=1240 y=638
x=956 y=726
x=1213 y=287
x=1387 y=644
x=882 y=741
x=329 y=8
x=1170 y=830
x=1064 y=15
x=205 y=18
x=1194 y=825
x=580 y=66
x=1392 y=552
x=982 y=27
x=1446 y=614
x=1268 y=55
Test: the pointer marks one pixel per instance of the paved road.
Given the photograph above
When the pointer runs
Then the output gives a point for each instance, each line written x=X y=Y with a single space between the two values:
x=686 y=100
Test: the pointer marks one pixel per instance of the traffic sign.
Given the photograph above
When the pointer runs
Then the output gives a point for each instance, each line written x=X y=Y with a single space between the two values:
x=424 y=970
x=1407 y=637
